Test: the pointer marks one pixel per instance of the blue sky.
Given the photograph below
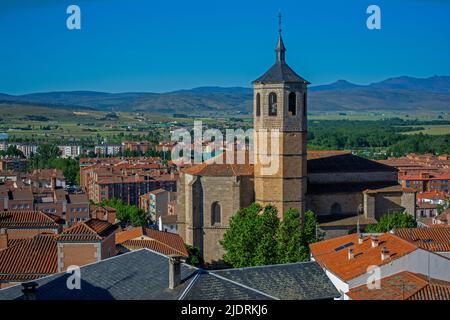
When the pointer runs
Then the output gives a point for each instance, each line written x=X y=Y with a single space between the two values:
x=156 y=46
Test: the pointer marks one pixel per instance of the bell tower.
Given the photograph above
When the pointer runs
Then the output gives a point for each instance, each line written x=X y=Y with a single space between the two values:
x=279 y=105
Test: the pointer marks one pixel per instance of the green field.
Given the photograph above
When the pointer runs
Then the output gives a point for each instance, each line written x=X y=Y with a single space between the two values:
x=433 y=130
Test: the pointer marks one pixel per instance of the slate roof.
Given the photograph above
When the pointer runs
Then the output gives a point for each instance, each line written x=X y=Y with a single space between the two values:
x=143 y=275
x=280 y=72
x=345 y=162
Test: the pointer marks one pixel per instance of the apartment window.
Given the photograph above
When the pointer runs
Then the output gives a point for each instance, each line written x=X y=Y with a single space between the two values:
x=292 y=104
x=53 y=210
x=14 y=206
x=273 y=104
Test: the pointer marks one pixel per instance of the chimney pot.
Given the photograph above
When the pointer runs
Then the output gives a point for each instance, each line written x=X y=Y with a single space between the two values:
x=385 y=254
x=30 y=290
x=374 y=241
x=360 y=239
x=351 y=254
x=174 y=271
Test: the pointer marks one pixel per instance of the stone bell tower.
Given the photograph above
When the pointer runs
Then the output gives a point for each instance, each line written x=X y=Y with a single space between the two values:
x=279 y=104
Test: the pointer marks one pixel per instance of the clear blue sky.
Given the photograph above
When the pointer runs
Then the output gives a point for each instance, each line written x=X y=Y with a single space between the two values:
x=155 y=46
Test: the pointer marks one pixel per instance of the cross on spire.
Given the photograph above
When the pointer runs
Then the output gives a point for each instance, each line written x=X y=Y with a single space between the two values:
x=280 y=50
x=279 y=22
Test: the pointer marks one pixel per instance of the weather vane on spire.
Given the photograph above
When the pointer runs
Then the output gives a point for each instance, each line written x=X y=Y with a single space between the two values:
x=279 y=21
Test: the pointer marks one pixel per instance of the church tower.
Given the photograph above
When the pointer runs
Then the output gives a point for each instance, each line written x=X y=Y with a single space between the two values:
x=279 y=103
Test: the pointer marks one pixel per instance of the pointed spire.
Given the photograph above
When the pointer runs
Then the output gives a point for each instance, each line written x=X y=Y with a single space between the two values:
x=280 y=50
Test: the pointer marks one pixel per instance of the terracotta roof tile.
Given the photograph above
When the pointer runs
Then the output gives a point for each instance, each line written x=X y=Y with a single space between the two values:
x=331 y=255
x=152 y=239
x=29 y=219
x=403 y=286
x=29 y=259
x=433 y=239
x=91 y=230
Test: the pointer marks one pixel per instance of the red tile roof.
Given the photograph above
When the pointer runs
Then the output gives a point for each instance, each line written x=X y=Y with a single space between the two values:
x=29 y=259
x=403 y=286
x=163 y=242
x=29 y=219
x=433 y=239
x=337 y=261
x=86 y=231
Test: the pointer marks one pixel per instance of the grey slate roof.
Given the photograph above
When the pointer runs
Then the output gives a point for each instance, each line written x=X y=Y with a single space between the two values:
x=280 y=72
x=143 y=275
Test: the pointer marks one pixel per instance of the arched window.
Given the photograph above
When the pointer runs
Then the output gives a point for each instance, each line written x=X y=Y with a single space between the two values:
x=304 y=104
x=292 y=104
x=258 y=104
x=272 y=104
x=336 y=208
x=216 y=213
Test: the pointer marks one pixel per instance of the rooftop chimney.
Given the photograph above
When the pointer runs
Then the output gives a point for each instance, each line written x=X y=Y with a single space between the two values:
x=3 y=239
x=174 y=271
x=375 y=241
x=360 y=238
x=30 y=290
x=385 y=254
x=351 y=254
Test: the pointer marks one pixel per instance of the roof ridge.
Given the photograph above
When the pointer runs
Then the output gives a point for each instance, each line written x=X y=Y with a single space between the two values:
x=242 y=285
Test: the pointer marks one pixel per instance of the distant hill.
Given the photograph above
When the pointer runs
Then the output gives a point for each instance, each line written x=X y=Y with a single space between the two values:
x=406 y=94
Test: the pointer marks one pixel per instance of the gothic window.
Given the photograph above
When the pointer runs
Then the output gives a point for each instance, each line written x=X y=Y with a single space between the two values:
x=304 y=104
x=272 y=104
x=292 y=104
x=336 y=208
x=258 y=104
x=216 y=214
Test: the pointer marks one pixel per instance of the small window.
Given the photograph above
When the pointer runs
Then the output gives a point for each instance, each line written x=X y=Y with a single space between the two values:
x=215 y=213
x=292 y=104
x=304 y=104
x=272 y=104
x=258 y=104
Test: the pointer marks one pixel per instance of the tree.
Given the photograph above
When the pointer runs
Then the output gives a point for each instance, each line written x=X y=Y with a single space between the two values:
x=444 y=206
x=392 y=221
x=252 y=231
x=12 y=151
x=127 y=213
x=257 y=237
x=295 y=235
x=195 y=257
x=44 y=154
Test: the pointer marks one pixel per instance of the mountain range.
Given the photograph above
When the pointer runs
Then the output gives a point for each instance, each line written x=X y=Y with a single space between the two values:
x=401 y=94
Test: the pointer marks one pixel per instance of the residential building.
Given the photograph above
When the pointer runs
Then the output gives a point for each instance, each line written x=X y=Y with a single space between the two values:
x=141 y=237
x=105 y=213
x=148 y=275
x=155 y=203
x=125 y=178
x=27 y=149
x=139 y=146
x=13 y=164
x=46 y=178
x=108 y=149
x=19 y=225
x=86 y=242
x=45 y=254
x=403 y=286
x=432 y=239
x=349 y=261
x=70 y=151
